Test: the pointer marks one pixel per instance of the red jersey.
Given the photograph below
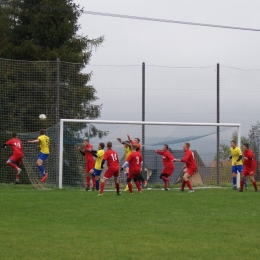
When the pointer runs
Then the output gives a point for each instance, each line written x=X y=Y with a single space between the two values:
x=111 y=157
x=134 y=160
x=88 y=155
x=249 y=160
x=189 y=160
x=16 y=146
x=167 y=157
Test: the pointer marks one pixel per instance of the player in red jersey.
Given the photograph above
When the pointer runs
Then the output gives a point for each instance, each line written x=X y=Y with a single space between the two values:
x=168 y=169
x=90 y=163
x=15 y=160
x=249 y=167
x=190 y=166
x=134 y=160
x=111 y=157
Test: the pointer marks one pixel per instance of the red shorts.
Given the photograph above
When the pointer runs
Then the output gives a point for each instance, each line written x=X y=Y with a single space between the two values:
x=111 y=172
x=168 y=169
x=17 y=158
x=191 y=171
x=133 y=175
x=89 y=166
x=247 y=172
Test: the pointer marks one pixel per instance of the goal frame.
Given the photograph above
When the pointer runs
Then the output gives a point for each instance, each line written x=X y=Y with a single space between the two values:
x=62 y=121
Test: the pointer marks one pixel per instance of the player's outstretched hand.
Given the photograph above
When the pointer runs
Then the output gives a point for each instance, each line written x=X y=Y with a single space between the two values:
x=119 y=140
x=78 y=148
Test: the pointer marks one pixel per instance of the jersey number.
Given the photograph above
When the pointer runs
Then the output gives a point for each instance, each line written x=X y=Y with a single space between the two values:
x=114 y=157
x=17 y=145
x=137 y=160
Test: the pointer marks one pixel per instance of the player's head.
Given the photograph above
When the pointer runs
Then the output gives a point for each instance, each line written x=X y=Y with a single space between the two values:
x=14 y=135
x=136 y=140
x=109 y=145
x=42 y=132
x=165 y=147
x=85 y=141
x=101 y=146
x=233 y=143
x=245 y=146
x=133 y=147
x=186 y=146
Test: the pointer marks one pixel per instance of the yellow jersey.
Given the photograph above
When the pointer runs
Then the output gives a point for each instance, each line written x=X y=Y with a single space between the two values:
x=100 y=155
x=127 y=151
x=235 y=153
x=44 y=144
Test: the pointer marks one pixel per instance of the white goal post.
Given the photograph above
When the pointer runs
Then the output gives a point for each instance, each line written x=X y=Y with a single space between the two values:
x=166 y=124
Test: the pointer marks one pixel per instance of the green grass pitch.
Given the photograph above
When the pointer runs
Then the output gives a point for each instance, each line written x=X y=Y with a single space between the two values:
x=73 y=224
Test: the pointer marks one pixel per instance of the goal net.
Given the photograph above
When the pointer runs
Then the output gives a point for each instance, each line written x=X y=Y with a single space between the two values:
x=209 y=142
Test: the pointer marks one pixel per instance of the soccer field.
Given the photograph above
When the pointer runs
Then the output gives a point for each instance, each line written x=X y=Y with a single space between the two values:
x=72 y=224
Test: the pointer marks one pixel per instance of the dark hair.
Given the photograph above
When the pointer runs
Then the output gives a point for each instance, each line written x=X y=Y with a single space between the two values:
x=138 y=140
x=133 y=147
x=187 y=144
x=166 y=146
x=14 y=134
x=102 y=145
x=246 y=145
x=109 y=144
x=42 y=132
x=233 y=141
x=86 y=140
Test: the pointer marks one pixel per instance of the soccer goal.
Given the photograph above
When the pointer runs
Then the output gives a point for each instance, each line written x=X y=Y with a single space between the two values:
x=208 y=141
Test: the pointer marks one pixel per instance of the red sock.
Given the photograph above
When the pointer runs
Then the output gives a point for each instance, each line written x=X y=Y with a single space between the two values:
x=137 y=183
x=17 y=177
x=12 y=165
x=102 y=187
x=165 y=178
x=242 y=182
x=88 y=181
x=166 y=184
x=188 y=184
x=130 y=186
x=93 y=182
x=117 y=187
x=183 y=185
x=255 y=185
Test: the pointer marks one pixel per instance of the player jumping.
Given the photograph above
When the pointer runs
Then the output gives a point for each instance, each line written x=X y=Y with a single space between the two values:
x=44 y=145
x=168 y=165
x=249 y=167
x=16 y=158
x=191 y=166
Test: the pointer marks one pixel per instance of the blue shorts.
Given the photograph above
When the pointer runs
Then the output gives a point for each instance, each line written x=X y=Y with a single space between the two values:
x=96 y=172
x=43 y=156
x=127 y=165
x=237 y=168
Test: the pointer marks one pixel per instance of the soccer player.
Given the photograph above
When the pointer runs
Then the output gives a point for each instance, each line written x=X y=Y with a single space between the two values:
x=190 y=166
x=96 y=171
x=44 y=145
x=168 y=169
x=16 y=158
x=135 y=161
x=90 y=163
x=237 y=164
x=249 y=167
x=111 y=157
x=136 y=142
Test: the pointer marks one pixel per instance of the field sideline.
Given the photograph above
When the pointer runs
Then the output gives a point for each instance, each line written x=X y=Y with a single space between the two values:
x=72 y=224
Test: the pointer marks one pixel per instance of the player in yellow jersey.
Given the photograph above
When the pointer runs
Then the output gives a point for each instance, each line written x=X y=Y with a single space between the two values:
x=236 y=162
x=44 y=145
x=96 y=171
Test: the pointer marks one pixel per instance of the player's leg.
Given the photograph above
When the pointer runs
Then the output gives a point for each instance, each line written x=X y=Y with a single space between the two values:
x=252 y=178
x=129 y=183
x=126 y=172
x=97 y=174
x=234 y=177
x=183 y=180
x=164 y=177
x=88 y=175
x=116 y=180
x=242 y=181
x=41 y=158
x=142 y=180
x=102 y=186
x=186 y=177
x=14 y=163
x=137 y=183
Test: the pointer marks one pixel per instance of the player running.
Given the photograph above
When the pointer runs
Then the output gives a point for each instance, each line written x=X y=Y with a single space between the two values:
x=111 y=157
x=249 y=167
x=97 y=170
x=237 y=163
x=16 y=158
x=90 y=163
x=134 y=160
x=190 y=167
x=44 y=145
x=168 y=169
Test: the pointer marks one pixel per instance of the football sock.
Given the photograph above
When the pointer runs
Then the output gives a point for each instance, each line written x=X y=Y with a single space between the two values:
x=166 y=184
x=102 y=187
x=93 y=181
x=234 y=181
x=245 y=182
x=41 y=168
x=137 y=183
x=183 y=185
x=255 y=185
x=97 y=184
x=117 y=187
x=13 y=165
x=188 y=184
x=17 y=176
x=130 y=186
x=88 y=181
x=241 y=184
x=165 y=178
